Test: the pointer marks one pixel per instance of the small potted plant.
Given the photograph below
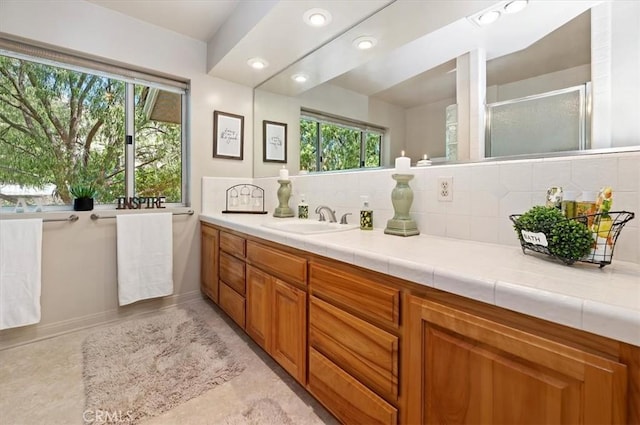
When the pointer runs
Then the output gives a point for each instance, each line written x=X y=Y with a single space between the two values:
x=83 y=194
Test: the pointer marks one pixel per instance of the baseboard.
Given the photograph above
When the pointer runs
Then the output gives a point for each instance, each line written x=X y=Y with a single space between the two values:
x=10 y=338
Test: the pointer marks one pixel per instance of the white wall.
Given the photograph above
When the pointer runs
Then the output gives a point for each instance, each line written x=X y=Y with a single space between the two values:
x=273 y=107
x=79 y=260
x=426 y=129
x=540 y=84
x=625 y=73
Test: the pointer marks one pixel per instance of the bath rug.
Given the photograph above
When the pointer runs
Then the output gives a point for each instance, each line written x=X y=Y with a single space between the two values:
x=264 y=411
x=144 y=367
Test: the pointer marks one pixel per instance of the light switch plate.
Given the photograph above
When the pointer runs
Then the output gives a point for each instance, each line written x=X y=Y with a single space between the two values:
x=445 y=189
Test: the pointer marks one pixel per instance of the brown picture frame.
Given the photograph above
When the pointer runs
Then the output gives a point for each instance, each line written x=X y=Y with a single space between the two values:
x=274 y=141
x=228 y=135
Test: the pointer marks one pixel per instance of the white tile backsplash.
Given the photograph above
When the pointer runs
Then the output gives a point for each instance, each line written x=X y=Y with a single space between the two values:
x=547 y=174
x=591 y=174
x=516 y=176
x=628 y=174
x=484 y=194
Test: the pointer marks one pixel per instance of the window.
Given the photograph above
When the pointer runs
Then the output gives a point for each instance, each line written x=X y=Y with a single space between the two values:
x=61 y=123
x=331 y=143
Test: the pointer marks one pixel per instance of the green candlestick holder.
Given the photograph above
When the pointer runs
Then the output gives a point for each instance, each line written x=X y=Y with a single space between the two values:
x=284 y=193
x=402 y=197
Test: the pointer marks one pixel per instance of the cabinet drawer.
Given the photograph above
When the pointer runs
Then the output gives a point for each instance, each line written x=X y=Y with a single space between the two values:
x=232 y=272
x=232 y=303
x=234 y=245
x=349 y=400
x=363 y=350
x=280 y=264
x=364 y=296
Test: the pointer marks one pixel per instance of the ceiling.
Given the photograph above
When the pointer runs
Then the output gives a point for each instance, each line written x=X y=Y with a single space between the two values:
x=194 y=18
x=237 y=30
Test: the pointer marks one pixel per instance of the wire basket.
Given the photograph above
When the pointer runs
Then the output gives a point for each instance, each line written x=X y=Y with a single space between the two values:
x=605 y=230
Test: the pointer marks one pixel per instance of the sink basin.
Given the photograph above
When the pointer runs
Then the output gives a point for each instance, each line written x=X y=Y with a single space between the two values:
x=305 y=227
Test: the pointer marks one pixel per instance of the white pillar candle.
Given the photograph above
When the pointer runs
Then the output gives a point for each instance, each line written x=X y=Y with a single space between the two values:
x=284 y=174
x=403 y=164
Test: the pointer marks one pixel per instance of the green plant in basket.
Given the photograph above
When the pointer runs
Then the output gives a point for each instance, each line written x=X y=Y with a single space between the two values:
x=570 y=240
x=567 y=239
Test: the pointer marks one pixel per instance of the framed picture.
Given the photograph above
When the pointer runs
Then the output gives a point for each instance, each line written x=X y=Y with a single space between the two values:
x=274 y=147
x=228 y=135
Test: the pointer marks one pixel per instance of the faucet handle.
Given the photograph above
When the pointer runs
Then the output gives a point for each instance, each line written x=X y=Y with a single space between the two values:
x=343 y=219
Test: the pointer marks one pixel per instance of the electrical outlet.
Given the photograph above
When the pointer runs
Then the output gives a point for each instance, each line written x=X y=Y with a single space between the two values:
x=445 y=189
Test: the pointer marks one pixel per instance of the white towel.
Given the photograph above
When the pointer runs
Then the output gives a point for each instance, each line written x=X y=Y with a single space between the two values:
x=145 y=256
x=20 y=272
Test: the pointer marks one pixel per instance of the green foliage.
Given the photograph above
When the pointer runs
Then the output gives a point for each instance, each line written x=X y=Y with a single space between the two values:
x=80 y=190
x=570 y=240
x=57 y=124
x=340 y=146
x=308 y=147
x=567 y=239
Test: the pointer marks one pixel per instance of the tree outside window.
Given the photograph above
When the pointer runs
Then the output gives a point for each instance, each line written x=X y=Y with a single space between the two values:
x=329 y=146
x=59 y=126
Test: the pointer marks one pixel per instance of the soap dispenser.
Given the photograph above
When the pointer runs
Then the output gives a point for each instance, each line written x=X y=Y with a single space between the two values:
x=366 y=215
x=303 y=208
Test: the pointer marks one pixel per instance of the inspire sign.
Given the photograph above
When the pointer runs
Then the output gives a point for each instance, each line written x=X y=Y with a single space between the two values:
x=141 y=202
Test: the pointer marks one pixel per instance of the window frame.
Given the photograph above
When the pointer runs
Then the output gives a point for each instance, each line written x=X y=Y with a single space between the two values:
x=130 y=76
x=320 y=118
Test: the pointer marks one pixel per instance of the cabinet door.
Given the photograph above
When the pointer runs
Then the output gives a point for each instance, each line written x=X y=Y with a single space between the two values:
x=466 y=369
x=209 y=262
x=289 y=328
x=258 y=318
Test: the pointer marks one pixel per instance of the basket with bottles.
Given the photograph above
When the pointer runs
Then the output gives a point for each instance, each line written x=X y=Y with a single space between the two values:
x=588 y=238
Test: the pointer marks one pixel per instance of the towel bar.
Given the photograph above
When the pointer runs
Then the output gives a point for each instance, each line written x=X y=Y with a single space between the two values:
x=71 y=218
x=95 y=216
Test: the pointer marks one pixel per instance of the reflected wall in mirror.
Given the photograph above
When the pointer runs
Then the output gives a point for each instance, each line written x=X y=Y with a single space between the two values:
x=407 y=88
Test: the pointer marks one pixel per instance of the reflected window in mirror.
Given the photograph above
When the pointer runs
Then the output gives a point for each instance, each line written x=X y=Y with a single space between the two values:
x=329 y=143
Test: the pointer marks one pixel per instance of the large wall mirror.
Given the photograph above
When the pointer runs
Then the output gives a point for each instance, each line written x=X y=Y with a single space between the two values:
x=570 y=68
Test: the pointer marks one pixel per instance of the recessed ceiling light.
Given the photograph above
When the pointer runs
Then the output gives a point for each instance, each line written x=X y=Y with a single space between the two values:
x=365 y=42
x=488 y=17
x=300 y=78
x=317 y=17
x=257 y=63
x=515 y=6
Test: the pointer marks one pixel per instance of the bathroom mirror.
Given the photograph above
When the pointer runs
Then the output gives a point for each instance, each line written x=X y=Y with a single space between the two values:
x=407 y=87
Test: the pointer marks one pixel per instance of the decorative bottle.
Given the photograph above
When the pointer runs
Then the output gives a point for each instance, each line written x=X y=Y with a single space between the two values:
x=366 y=215
x=303 y=208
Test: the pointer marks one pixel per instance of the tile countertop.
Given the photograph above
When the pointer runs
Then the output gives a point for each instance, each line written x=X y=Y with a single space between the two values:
x=602 y=301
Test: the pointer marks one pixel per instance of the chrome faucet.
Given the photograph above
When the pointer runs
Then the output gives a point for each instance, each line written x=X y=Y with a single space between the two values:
x=332 y=214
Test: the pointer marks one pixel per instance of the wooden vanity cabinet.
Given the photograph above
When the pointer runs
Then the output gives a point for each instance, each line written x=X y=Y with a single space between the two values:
x=353 y=345
x=341 y=332
x=466 y=369
x=277 y=311
x=209 y=261
x=232 y=276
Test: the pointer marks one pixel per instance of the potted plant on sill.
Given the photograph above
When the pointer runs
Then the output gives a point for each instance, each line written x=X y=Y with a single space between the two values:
x=83 y=194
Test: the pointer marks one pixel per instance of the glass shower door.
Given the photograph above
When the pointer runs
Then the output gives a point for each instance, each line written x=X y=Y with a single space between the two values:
x=550 y=122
